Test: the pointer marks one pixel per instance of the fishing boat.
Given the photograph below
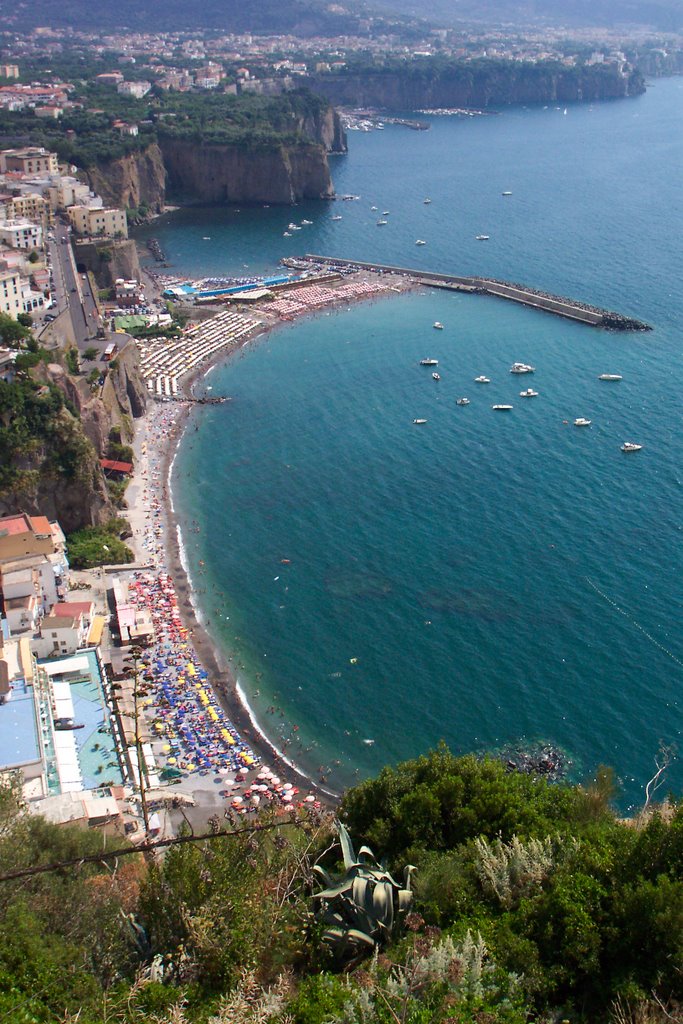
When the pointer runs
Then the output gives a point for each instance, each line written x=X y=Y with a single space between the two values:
x=436 y=376
x=419 y=422
x=610 y=376
x=582 y=422
x=501 y=408
x=437 y=325
x=629 y=446
x=482 y=380
x=429 y=362
x=462 y=401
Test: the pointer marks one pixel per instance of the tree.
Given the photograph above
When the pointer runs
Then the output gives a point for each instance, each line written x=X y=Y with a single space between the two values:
x=25 y=319
x=33 y=257
x=12 y=333
x=91 y=354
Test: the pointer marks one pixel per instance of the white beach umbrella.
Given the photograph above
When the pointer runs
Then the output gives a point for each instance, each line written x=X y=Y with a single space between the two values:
x=288 y=785
x=256 y=799
x=309 y=799
x=287 y=797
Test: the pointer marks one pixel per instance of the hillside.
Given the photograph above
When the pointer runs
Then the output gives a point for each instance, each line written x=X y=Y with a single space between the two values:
x=664 y=15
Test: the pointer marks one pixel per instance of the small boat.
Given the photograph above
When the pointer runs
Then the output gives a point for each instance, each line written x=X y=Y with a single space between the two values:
x=291 y=226
x=296 y=227
x=206 y=238
x=337 y=216
x=419 y=421
x=529 y=393
x=462 y=401
x=582 y=422
x=610 y=376
x=429 y=362
x=436 y=376
x=629 y=446
x=380 y=223
x=501 y=408
x=482 y=380
x=482 y=238
x=385 y=213
x=522 y=368
x=426 y=201
x=437 y=325
x=420 y=241
x=506 y=193
x=287 y=234
x=306 y=221
x=374 y=209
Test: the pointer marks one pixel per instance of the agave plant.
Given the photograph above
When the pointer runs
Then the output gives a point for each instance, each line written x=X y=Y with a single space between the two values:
x=359 y=909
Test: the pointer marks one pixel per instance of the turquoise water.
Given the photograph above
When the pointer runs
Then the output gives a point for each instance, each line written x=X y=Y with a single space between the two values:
x=486 y=578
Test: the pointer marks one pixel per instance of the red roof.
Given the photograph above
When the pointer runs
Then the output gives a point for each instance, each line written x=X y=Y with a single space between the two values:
x=72 y=609
x=116 y=467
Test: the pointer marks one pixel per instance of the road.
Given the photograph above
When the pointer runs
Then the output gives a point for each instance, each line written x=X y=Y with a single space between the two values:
x=73 y=291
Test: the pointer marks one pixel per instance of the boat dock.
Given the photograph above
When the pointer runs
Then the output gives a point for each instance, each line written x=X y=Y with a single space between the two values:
x=525 y=296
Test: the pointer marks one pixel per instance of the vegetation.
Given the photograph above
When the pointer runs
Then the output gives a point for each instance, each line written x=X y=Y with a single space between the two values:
x=532 y=901
x=99 y=545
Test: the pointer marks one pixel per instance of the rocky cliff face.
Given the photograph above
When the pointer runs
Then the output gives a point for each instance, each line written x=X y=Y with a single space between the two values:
x=132 y=180
x=109 y=260
x=327 y=130
x=231 y=174
x=468 y=86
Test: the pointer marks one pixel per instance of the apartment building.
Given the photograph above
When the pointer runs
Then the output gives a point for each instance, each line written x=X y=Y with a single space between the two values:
x=32 y=160
x=21 y=234
x=93 y=222
x=11 y=301
x=136 y=89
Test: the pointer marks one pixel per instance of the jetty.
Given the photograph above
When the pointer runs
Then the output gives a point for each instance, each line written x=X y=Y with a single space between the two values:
x=570 y=309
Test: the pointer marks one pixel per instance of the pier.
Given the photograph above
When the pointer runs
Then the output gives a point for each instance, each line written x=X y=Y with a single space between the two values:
x=570 y=309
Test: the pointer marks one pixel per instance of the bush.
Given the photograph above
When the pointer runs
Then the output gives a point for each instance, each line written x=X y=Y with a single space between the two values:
x=98 y=545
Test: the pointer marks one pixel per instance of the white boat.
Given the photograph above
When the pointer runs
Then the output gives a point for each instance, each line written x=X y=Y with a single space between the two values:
x=482 y=380
x=380 y=223
x=506 y=193
x=610 y=376
x=287 y=234
x=482 y=238
x=291 y=226
x=629 y=446
x=437 y=325
x=426 y=201
x=306 y=221
x=582 y=422
x=462 y=401
x=374 y=209
x=529 y=393
x=337 y=216
x=385 y=213
x=436 y=376
x=522 y=368
x=420 y=241
x=419 y=421
x=295 y=227
x=429 y=362
x=501 y=408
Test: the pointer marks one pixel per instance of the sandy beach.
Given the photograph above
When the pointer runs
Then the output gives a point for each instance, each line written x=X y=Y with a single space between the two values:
x=240 y=763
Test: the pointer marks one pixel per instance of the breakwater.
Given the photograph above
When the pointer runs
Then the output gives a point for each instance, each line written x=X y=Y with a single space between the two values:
x=571 y=309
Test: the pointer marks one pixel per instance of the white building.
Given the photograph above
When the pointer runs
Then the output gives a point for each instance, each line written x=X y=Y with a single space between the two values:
x=136 y=89
x=11 y=299
x=21 y=234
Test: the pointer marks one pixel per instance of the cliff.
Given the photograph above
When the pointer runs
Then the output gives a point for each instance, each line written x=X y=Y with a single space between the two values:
x=109 y=260
x=137 y=179
x=239 y=174
x=476 y=85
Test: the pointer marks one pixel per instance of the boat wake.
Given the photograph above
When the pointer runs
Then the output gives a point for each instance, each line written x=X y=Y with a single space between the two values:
x=633 y=622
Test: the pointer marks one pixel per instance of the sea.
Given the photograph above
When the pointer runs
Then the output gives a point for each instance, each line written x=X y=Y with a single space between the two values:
x=496 y=580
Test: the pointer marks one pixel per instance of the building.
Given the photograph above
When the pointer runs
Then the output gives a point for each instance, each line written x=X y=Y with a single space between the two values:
x=136 y=89
x=109 y=78
x=33 y=564
x=32 y=160
x=92 y=222
x=21 y=234
x=128 y=293
x=11 y=299
x=65 y=630
x=9 y=70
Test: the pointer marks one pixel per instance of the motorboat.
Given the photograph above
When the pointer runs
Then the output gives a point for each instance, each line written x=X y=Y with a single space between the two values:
x=385 y=213
x=610 y=376
x=506 y=193
x=426 y=201
x=501 y=408
x=380 y=223
x=437 y=325
x=337 y=216
x=482 y=380
x=482 y=238
x=629 y=446
x=522 y=368
x=419 y=421
x=436 y=376
x=291 y=226
x=287 y=234
x=306 y=221
x=429 y=362
x=529 y=393
x=462 y=401
x=420 y=241
x=374 y=209
x=582 y=422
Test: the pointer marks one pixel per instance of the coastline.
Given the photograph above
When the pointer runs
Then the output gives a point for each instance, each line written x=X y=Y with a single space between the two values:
x=155 y=452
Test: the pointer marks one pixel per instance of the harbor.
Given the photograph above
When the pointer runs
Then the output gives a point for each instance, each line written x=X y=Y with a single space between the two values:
x=526 y=296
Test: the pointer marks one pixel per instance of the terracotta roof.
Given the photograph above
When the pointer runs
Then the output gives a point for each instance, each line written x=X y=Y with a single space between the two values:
x=10 y=526
x=73 y=608
x=116 y=467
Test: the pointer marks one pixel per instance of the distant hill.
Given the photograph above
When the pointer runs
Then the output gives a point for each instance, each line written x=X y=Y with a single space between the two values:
x=665 y=15
x=297 y=17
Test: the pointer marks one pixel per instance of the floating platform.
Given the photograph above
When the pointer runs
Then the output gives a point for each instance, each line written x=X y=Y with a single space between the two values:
x=571 y=309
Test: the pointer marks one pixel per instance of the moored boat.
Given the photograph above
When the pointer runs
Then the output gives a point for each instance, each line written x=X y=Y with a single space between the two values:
x=501 y=408
x=629 y=446
x=482 y=380
x=429 y=362
x=522 y=368
x=462 y=401
x=482 y=238
x=438 y=325
x=529 y=393
x=419 y=422
x=610 y=376
x=582 y=422
x=436 y=376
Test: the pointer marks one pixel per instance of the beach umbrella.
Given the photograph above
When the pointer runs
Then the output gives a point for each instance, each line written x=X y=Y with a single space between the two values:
x=238 y=799
x=256 y=799
x=288 y=785
x=287 y=797
x=309 y=799
x=275 y=780
x=166 y=748
x=244 y=771
x=172 y=760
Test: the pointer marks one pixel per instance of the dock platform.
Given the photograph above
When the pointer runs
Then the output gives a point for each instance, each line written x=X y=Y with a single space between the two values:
x=570 y=309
